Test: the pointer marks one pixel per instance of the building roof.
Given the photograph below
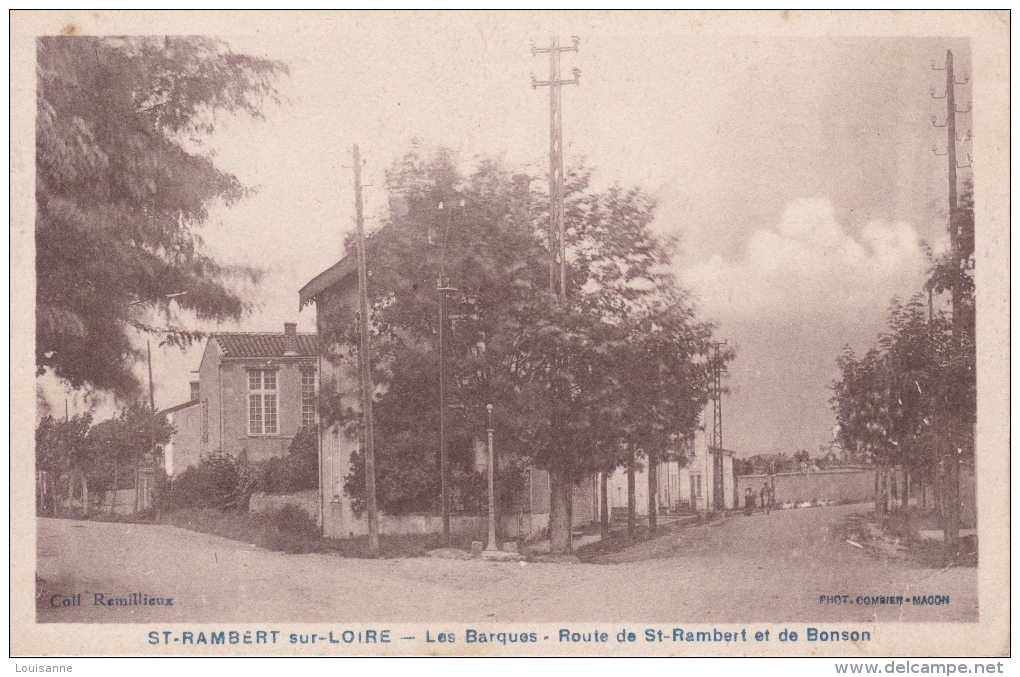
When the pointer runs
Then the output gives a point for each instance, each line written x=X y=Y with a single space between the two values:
x=333 y=275
x=178 y=407
x=344 y=270
x=264 y=345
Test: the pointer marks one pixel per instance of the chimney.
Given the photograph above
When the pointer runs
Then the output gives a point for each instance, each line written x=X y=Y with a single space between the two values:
x=290 y=346
x=194 y=391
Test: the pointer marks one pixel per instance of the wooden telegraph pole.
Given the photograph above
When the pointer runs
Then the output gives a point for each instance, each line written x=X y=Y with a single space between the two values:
x=365 y=366
x=561 y=480
x=952 y=418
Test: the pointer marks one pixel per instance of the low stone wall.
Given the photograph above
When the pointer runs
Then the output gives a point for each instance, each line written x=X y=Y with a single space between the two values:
x=473 y=525
x=402 y=525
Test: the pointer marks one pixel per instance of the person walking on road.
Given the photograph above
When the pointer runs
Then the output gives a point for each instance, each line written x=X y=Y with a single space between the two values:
x=748 y=501
x=766 y=499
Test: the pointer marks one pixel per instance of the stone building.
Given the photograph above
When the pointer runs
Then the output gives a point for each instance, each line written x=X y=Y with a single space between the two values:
x=254 y=392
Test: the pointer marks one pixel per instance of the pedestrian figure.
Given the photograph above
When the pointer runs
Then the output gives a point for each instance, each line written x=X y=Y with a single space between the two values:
x=748 y=501
x=766 y=499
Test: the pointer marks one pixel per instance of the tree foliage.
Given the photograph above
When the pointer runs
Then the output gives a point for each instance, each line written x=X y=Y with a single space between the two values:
x=298 y=470
x=622 y=361
x=121 y=443
x=122 y=187
x=889 y=402
x=912 y=397
x=100 y=456
x=60 y=445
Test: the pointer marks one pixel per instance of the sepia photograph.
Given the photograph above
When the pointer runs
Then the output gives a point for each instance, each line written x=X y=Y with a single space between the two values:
x=502 y=333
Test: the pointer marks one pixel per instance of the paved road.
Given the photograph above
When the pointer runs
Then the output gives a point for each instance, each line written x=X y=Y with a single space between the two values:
x=759 y=568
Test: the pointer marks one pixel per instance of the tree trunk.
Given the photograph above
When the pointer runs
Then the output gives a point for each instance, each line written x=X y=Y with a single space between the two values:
x=85 y=494
x=631 y=494
x=604 y=504
x=71 y=478
x=559 y=513
x=952 y=530
x=883 y=504
x=936 y=490
x=500 y=533
x=138 y=501
x=113 y=496
x=570 y=513
x=904 y=489
x=653 y=493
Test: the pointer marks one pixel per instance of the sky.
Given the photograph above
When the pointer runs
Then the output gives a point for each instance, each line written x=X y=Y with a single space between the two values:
x=797 y=172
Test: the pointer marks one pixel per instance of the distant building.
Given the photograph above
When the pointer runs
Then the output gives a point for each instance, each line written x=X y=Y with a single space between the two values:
x=705 y=481
x=254 y=392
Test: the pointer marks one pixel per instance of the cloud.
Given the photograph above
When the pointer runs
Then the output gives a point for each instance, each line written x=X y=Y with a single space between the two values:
x=810 y=265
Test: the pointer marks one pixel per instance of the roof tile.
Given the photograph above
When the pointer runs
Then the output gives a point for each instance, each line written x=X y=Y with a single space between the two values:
x=263 y=345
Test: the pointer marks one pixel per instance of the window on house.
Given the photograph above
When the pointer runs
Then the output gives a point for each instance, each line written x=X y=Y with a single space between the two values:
x=205 y=420
x=307 y=398
x=262 y=412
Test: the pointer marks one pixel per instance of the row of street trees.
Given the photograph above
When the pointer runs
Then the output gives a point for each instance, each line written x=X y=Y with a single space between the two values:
x=73 y=456
x=910 y=401
x=622 y=366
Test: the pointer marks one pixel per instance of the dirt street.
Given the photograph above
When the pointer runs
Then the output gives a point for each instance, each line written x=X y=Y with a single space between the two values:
x=758 y=568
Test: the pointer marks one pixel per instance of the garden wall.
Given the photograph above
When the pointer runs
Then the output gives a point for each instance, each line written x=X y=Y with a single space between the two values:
x=844 y=485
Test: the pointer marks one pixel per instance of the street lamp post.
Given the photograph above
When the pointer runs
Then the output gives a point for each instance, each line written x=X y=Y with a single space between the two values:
x=491 y=547
x=444 y=458
x=443 y=287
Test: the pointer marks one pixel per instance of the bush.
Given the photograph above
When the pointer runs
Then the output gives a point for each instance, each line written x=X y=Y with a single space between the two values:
x=213 y=483
x=291 y=530
x=223 y=481
x=297 y=471
x=294 y=520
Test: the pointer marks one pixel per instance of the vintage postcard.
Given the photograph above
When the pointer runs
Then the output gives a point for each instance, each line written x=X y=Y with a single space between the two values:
x=510 y=333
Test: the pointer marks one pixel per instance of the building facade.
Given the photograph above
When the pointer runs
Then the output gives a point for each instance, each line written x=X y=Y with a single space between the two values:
x=255 y=392
x=704 y=482
x=333 y=292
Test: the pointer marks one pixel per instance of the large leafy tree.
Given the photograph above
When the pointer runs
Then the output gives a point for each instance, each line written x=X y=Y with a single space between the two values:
x=621 y=361
x=122 y=186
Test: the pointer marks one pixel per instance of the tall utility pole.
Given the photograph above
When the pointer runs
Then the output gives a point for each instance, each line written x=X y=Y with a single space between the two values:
x=557 y=241
x=444 y=288
x=365 y=366
x=717 y=395
x=952 y=421
x=718 y=499
x=954 y=211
